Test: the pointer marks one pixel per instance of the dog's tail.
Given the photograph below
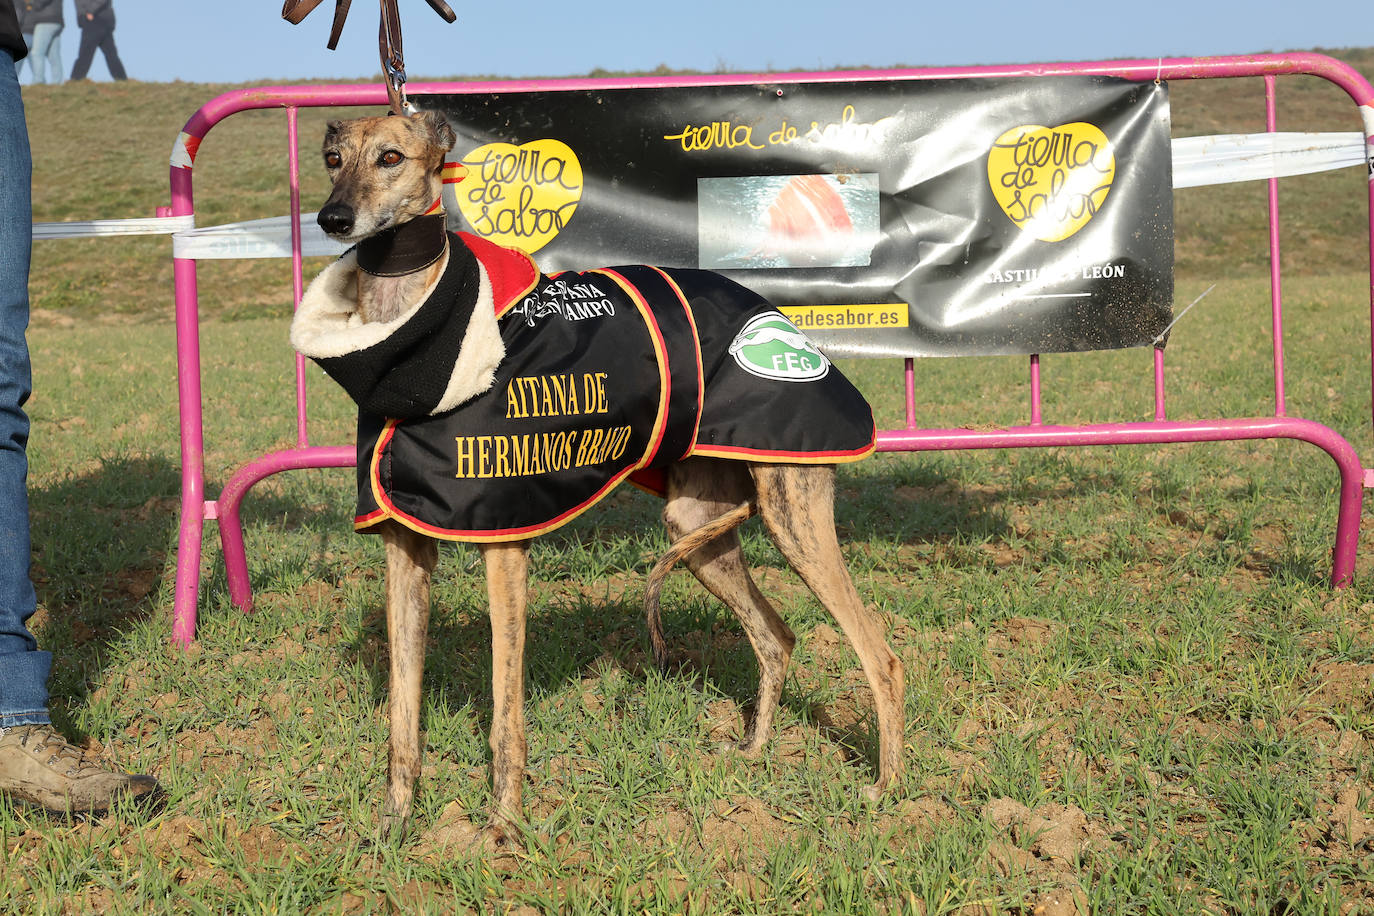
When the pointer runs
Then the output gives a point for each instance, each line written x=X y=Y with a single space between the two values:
x=679 y=549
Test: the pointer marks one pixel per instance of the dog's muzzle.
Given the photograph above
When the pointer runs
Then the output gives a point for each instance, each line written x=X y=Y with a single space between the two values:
x=336 y=219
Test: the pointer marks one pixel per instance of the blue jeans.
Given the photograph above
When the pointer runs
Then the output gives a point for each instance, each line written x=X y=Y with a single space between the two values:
x=46 y=49
x=23 y=667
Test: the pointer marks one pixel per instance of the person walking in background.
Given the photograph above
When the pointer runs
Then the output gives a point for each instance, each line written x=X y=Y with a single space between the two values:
x=38 y=766
x=97 y=21
x=43 y=18
x=21 y=13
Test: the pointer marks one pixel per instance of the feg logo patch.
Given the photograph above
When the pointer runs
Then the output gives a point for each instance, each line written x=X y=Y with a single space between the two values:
x=771 y=347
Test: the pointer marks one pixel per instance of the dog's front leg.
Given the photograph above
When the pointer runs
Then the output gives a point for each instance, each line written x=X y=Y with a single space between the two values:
x=410 y=560
x=507 y=566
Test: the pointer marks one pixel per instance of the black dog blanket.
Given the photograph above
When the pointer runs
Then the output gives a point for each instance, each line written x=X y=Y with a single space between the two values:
x=508 y=402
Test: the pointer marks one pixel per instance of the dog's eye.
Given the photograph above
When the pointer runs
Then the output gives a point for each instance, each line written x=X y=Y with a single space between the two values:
x=392 y=157
x=332 y=160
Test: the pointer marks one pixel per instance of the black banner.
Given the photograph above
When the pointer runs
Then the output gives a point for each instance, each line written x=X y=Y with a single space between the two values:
x=885 y=217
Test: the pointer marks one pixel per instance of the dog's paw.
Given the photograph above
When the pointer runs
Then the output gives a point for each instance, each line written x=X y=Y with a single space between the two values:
x=393 y=827
x=751 y=746
x=500 y=838
x=453 y=833
x=882 y=787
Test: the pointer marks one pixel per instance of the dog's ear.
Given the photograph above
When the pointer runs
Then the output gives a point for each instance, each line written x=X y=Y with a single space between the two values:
x=438 y=126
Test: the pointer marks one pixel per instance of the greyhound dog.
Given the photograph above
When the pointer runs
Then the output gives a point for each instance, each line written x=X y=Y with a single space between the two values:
x=387 y=174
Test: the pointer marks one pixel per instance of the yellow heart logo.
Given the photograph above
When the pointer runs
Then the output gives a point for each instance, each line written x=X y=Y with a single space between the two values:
x=520 y=196
x=1051 y=181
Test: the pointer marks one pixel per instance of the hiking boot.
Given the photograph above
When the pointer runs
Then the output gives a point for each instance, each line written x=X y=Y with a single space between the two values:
x=40 y=768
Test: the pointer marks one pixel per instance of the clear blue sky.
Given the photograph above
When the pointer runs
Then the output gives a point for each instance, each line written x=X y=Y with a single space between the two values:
x=247 y=40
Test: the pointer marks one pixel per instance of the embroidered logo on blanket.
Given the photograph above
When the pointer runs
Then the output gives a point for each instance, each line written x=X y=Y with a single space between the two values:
x=770 y=346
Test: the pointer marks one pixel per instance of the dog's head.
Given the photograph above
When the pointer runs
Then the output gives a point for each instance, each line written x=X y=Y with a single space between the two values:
x=386 y=170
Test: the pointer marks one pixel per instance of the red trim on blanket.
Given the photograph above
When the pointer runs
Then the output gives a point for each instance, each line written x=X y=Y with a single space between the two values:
x=782 y=457
x=512 y=272
x=366 y=521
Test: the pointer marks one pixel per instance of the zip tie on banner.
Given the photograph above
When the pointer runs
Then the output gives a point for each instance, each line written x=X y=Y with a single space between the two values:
x=1160 y=339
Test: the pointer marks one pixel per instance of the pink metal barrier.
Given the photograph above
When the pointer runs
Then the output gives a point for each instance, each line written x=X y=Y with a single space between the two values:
x=196 y=508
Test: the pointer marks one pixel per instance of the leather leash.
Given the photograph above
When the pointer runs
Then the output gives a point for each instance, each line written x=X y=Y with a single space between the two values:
x=388 y=40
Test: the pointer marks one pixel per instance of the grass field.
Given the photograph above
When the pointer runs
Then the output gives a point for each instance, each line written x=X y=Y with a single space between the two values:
x=1129 y=688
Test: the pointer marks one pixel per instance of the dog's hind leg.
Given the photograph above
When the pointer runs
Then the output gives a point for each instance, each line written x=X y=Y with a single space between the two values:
x=507 y=571
x=410 y=559
x=681 y=547
x=701 y=491
x=797 y=503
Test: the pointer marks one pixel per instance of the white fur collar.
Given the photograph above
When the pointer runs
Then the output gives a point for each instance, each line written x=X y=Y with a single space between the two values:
x=327 y=325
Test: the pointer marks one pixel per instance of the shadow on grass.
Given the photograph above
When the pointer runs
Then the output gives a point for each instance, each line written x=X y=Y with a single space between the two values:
x=104 y=545
x=914 y=500
x=574 y=640
x=910 y=502
x=914 y=503
x=100 y=546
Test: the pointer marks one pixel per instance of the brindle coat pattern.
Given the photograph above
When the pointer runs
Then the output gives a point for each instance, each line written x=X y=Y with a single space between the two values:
x=387 y=170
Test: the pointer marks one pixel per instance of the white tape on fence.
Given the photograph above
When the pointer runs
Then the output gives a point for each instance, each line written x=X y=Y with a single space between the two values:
x=258 y=238
x=1250 y=157
x=95 y=228
x=1198 y=161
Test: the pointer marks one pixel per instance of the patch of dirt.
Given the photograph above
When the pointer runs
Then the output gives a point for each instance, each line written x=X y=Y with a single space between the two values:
x=1342 y=683
x=411 y=897
x=179 y=834
x=724 y=721
x=1060 y=901
x=920 y=818
x=741 y=831
x=1022 y=633
x=672 y=825
x=1050 y=837
x=738 y=833
x=797 y=745
x=1350 y=820
x=262 y=846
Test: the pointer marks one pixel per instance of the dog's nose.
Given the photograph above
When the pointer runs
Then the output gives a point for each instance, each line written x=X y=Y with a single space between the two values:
x=336 y=219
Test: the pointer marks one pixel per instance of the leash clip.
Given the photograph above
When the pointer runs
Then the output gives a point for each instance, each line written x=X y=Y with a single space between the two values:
x=393 y=58
x=395 y=78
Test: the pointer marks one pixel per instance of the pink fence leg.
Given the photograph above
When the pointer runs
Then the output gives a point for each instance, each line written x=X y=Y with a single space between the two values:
x=187 y=588
x=230 y=523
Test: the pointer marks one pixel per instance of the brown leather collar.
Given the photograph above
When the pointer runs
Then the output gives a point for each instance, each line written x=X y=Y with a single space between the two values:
x=411 y=246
